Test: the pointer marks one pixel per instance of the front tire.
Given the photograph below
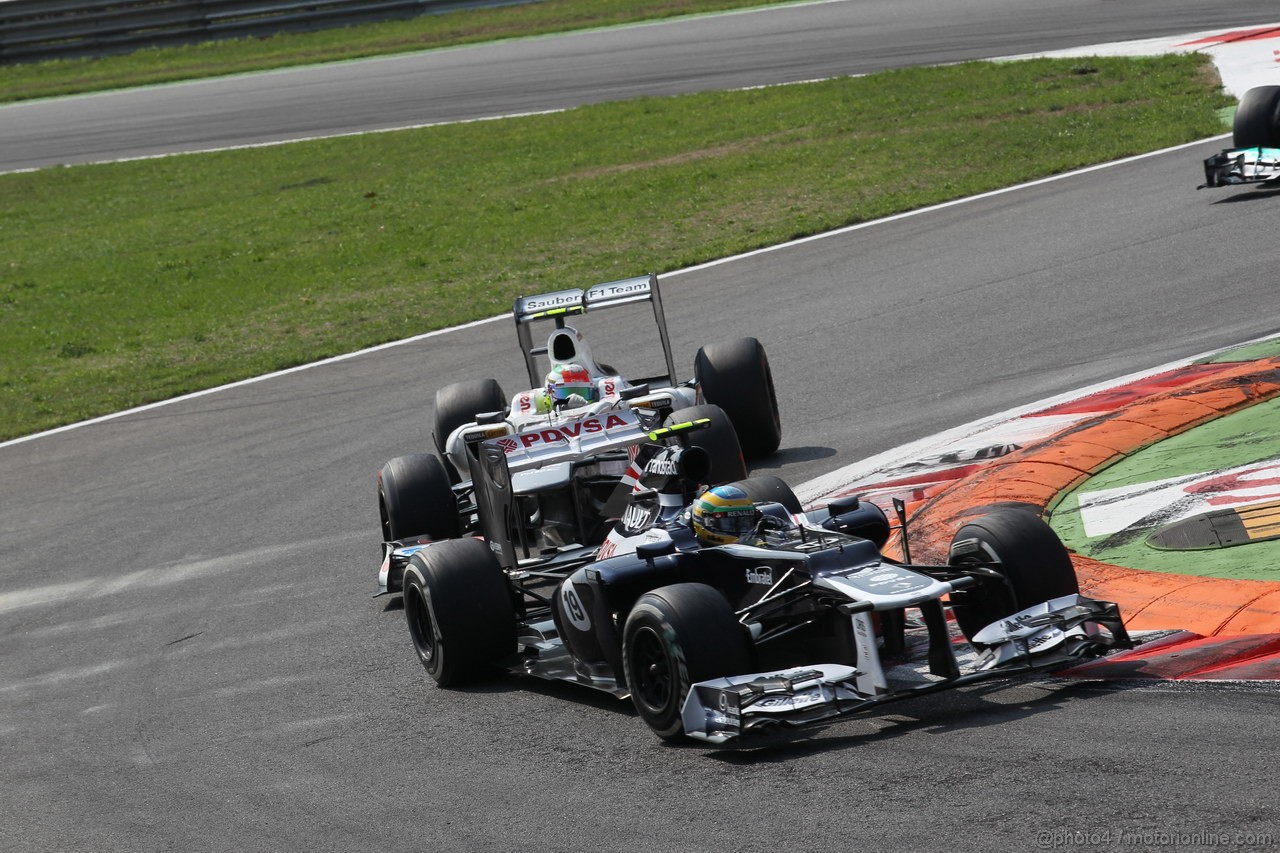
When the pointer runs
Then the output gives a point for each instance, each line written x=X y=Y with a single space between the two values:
x=457 y=603
x=1257 y=121
x=415 y=498
x=1035 y=564
x=735 y=376
x=676 y=636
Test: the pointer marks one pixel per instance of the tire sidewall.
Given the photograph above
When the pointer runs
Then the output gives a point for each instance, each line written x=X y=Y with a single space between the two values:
x=736 y=376
x=415 y=498
x=462 y=591
x=1035 y=564
x=701 y=639
x=647 y=619
x=1257 y=120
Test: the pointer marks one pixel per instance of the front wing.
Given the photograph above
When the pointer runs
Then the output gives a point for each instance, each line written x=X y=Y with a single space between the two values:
x=1241 y=166
x=738 y=709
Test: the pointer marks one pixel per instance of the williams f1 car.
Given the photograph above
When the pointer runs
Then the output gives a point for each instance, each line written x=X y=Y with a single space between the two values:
x=793 y=622
x=1255 y=138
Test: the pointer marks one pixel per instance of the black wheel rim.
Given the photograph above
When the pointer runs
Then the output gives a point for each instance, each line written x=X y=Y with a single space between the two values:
x=422 y=628
x=652 y=671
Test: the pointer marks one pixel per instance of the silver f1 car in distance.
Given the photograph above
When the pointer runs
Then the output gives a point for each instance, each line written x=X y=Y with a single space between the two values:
x=796 y=624
x=1255 y=138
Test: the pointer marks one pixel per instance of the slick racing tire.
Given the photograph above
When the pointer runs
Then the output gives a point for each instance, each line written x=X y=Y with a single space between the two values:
x=1257 y=122
x=416 y=499
x=1034 y=562
x=674 y=637
x=458 y=606
x=766 y=487
x=735 y=376
x=458 y=404
x=720 y=440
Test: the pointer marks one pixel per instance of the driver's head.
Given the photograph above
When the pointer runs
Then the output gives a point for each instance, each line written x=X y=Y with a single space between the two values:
x=569 y=385
x=723 y=514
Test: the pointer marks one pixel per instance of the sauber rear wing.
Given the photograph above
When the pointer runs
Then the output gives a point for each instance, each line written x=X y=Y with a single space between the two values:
x=560 y=305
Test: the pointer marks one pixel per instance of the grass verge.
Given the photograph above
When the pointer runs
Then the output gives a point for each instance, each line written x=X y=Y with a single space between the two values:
x=234 y=56
x=132 y=282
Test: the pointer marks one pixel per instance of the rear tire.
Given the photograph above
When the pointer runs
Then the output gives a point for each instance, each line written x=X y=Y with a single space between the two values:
x=458 y=404
x=720 y=440
x=676 y=636
x=1030 y=556
x=766 y=487
x=415 y=498
x=457 y=603
x=735 y=376
x=1257 y=121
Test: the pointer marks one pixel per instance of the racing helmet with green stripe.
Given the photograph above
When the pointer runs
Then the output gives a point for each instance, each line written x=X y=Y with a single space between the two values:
x=723 y=515
x=567 y=381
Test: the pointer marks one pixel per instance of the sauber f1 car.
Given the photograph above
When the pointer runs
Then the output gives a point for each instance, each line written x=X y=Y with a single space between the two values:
x=1255 y=138
x=733 y=375
x=799 y=620
x=568 y=457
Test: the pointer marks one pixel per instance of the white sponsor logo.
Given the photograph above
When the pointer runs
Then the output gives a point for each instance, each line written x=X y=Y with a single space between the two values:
x=762 y=575
x=662 y=466
x=636 y=517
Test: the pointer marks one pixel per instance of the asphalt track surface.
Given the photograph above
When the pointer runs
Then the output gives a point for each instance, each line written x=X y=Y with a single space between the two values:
x=191 y=660
x=744 y=49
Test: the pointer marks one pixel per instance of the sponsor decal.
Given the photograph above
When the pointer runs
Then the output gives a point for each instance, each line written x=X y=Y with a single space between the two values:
x=760 y=575
x=638 y=517
x=884 y=581
x=1038 y=641
x=586 y=426
x=618 y=290
x=525 y=402
x=608 y=549
x=609 y=388
x=666 y=466
x=508 y=445
x=552 y=300
x=573 y=609
x=803 y=699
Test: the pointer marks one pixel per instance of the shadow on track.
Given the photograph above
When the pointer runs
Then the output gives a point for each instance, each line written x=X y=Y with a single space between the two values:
x=1265 y=192
x=788 y=455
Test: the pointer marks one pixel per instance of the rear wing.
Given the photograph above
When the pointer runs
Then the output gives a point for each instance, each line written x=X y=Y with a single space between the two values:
x=560 y=305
